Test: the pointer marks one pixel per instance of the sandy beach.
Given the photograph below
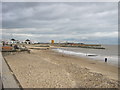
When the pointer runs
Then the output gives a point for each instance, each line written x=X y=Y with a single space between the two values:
x=48 y=69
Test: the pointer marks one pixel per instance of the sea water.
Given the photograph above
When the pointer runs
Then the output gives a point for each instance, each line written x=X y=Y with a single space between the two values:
x=110 y=52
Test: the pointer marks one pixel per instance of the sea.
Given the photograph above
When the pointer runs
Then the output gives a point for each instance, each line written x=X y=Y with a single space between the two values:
x=110 y=52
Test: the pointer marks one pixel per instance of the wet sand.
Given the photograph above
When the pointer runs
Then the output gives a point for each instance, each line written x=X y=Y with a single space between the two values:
x=48 y=69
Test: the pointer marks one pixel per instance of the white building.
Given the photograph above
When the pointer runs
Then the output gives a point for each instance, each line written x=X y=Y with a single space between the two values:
x=13 y=41
x=27 y=41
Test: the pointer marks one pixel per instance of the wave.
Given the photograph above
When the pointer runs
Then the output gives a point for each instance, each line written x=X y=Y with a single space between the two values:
x=111 y=59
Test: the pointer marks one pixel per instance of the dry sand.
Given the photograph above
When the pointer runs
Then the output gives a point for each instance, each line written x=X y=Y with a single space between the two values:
x=48 y=69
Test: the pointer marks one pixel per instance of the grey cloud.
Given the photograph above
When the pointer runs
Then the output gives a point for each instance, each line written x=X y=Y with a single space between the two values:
x=59 y=18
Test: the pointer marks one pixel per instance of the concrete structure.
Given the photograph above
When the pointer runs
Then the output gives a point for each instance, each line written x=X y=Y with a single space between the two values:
x=8 y=78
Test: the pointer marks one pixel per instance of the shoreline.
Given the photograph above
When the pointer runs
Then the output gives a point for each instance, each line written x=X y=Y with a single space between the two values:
x=60 y=71
x=90 y=56
x=88 y=63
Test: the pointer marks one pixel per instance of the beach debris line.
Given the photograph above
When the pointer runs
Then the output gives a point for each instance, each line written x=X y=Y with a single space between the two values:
x=44 y=48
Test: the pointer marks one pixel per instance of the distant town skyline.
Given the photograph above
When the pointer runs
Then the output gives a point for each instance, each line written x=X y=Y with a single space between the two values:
x=87 y=22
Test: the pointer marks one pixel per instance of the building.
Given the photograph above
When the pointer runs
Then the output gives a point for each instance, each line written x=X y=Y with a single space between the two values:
x=27 y=41
x=13 y=41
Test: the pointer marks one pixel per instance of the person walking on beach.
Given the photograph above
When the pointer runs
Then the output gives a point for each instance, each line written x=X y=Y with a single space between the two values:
x=105 y=59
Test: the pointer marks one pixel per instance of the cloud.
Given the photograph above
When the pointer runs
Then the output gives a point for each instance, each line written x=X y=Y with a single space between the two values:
x=60 y=21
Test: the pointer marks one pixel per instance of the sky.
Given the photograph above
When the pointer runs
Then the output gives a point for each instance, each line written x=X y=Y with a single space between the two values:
x=84 y=22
